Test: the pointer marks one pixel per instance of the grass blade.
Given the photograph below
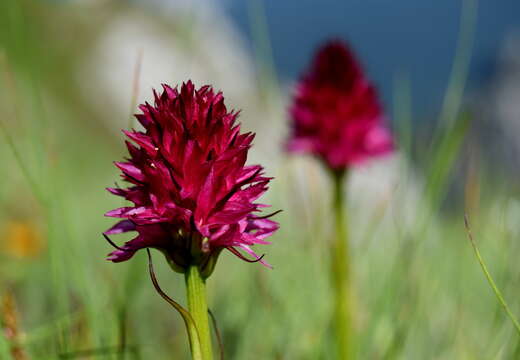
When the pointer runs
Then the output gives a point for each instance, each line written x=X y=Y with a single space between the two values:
x=489 y=278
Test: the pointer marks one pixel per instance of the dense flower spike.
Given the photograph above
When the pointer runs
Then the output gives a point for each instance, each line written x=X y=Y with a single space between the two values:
x=335 y=112
x=193 y=195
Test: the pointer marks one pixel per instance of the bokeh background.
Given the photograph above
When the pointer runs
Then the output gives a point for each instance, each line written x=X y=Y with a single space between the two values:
x=448 y=73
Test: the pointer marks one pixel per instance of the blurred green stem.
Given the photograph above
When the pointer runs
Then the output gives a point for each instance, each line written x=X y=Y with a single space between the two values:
x=340 y=273
x=198 y=307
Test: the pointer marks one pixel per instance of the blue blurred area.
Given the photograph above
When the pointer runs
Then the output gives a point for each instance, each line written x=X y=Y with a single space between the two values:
x=416 y=37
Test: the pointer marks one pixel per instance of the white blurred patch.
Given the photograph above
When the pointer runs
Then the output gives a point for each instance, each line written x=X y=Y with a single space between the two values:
x=193 y=46
x=392 y=190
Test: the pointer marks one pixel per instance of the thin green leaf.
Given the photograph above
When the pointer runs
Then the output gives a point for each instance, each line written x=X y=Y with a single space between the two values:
x=217 y=334
x=489 y=278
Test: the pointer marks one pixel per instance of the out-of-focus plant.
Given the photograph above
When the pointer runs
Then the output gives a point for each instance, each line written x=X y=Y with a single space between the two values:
x=336 y=116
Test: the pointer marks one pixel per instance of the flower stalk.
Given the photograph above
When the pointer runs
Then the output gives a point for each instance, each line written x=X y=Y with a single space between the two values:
x=198 y=307
x=340 y=274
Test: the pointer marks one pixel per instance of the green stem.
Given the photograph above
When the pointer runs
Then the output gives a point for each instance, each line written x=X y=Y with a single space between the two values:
x=340 y=274
x=198 y=307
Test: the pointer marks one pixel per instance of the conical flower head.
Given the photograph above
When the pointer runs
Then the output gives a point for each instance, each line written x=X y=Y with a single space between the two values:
x=335 y=113
x=191 y=191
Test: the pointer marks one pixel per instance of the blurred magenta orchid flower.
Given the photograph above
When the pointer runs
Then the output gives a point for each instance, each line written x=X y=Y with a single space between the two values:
x=335 y=113
x=336 y=116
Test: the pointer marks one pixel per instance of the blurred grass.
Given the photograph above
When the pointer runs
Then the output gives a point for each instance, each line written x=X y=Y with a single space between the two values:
x=419 y=291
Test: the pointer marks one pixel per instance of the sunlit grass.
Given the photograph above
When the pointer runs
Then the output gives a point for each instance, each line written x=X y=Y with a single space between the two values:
x=419 y=292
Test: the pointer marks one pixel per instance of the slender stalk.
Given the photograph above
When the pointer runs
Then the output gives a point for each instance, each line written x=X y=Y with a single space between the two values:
x=198 y=307
x=489 y=278
x=340 y=274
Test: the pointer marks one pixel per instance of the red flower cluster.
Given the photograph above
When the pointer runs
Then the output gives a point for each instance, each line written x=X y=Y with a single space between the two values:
x=335 y=113
x=193 y=195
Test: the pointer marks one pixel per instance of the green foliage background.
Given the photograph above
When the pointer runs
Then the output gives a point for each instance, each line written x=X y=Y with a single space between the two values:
x=419 y=292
